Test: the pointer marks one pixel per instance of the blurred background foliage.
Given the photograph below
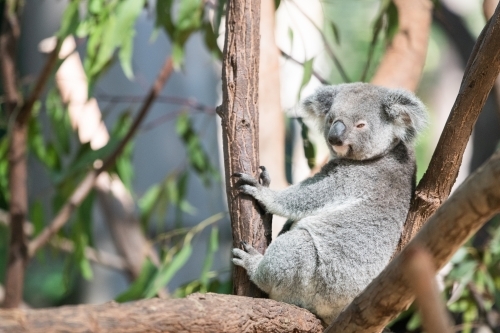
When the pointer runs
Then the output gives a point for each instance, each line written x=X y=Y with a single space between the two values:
x=354 y=36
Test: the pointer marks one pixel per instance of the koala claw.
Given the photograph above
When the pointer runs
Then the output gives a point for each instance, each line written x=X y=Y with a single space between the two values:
x=245 y=179
x=249 y=249
x=248 y=189
x=264 y=177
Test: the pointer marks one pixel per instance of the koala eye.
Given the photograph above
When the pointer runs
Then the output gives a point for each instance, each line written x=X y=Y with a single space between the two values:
x=360 y=125
x=330 y=120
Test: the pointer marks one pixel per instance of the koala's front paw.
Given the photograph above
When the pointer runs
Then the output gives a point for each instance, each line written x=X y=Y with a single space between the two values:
x=247 y=184
x=249 y=258
x=251 y=186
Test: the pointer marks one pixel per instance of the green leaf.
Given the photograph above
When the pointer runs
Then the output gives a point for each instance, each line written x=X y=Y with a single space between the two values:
x=213 y=245
x=307 y=74
x=37 y=216
x=164 y=16
x=336 y=32
x=197 y=157
x=392 y=21
x=309 y=148
x=211 y=41
x=80 y=241
x=218 y=15
x=138 y=287
x=166 y=272
x=177 y=55
x=112 y=30
x=69 y=20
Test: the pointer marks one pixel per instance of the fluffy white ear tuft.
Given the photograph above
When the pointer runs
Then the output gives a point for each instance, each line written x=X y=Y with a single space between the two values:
x=407 y=112
x=318 y=104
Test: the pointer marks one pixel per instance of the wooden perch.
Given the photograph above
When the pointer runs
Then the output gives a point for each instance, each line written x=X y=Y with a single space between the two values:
x=196 y=313
x=470 y=206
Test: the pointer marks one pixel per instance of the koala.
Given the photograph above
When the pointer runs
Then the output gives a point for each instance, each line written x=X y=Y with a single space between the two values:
x=345 y=221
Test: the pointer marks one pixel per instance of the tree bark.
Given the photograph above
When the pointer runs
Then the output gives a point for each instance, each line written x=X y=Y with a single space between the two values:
x=18 y=204
x=240 y=128
x=489 y=9
x=471 y=205
x=403 y=62
x=480 y=74
x=196 y=313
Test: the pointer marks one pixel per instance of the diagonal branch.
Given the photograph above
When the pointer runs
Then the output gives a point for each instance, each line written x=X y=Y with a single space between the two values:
x=83 y=189
x=480 y=74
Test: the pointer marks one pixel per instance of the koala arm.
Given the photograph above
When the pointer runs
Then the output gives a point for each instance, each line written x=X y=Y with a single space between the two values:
x=295 y=202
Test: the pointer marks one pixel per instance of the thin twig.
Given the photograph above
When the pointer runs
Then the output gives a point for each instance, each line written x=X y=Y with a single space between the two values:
x=100 y=257
x=87 y=184
x=44 y=76
x=315 y=73
x=189 y=102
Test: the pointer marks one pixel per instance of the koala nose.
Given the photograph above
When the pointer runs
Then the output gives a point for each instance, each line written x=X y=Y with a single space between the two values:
x=336 y=133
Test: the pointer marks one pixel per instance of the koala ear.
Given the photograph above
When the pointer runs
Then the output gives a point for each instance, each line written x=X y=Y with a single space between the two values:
x=407 y=112
x=318 y=104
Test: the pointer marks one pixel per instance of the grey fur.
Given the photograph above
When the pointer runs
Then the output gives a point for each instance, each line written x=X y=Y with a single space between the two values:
x=348 y=217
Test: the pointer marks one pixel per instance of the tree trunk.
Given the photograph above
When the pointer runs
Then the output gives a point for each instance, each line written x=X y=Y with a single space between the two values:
x=240 y=127
x=471 y=205
x=18 y=203
x=196 y=313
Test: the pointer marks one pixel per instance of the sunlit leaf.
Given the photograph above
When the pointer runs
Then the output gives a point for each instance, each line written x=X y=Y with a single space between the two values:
x=138 y=287
x=166 y=273
x=309 y=148
x=307 y=74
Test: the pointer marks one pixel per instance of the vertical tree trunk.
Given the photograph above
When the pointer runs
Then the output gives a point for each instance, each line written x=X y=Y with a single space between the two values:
x=240 y=127
x=18 y=204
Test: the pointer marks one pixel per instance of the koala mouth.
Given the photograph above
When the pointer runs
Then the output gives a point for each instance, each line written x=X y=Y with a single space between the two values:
x=342 y=150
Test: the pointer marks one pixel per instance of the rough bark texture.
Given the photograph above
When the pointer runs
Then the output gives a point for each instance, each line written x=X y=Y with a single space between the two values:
x=404 y=60
x=480 y=75
x=196 y=313
x=18 y=205
x=489 y=9
x=471 y=205
x=240 y=127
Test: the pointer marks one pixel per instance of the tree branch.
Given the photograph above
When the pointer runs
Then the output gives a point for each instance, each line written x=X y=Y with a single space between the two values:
x=87 y=184
x=314 y=73
x=196 y=313
x=489 y=9
x=435 y=186
x=403 y=61
x=470 y=206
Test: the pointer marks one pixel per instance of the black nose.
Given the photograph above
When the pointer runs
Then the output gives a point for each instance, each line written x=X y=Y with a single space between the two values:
x=336 y=133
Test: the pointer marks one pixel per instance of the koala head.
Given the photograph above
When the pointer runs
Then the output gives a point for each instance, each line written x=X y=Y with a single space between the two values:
x=361 y=121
